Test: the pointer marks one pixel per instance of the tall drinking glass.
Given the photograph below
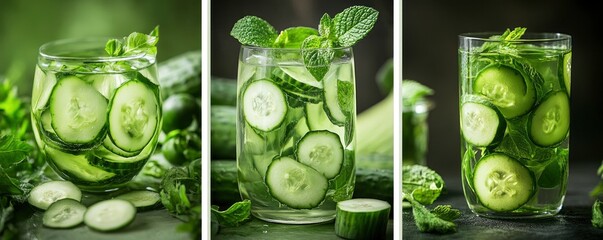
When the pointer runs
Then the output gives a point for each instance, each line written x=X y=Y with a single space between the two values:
x=96 y=118
x=295 y=134
x=515 y=117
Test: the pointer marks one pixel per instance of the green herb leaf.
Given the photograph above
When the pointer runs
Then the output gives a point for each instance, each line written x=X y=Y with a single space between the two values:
x=413 y=91
x=421 y=183
x=135 y=43
x=345 y=94
x=294 y=37
x=550 y=176
x=467 y=166
x=427 y=221
x=598 y=190
x=317 y=53
x=446 y=212
x=254 y=31
x=352 y=24
x=325 y=28
x=235 y=215
x=597 y=219
x=114 y=47
x=12 y=151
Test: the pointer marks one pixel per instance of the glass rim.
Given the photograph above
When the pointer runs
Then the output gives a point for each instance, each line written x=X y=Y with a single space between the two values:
x=291 y=49
x=43 y=51
x=531 y=37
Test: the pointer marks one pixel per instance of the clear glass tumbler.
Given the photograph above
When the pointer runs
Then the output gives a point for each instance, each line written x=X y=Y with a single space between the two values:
x=95 y=117
x=295 y=134
x=514 y=117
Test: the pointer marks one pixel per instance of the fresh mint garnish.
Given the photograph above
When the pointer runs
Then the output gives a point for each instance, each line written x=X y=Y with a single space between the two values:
x=504 y=45
x=353 y=24
x=254 y=31
x=294 y=37
x=134 y=43
x=344 y=30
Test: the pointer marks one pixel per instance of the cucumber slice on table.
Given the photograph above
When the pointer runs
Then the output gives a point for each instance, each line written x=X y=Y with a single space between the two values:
x=64 y=213
x=141 y=199
x=110 y=215
x=502 y=183
x=133 y=116
x=264 y=105
x=482 y=124
x=78 y=112
x=321 y=150
x=549 y=123
x=362 y=218
x=509 y=89
x=295 y=184
x=45 y=194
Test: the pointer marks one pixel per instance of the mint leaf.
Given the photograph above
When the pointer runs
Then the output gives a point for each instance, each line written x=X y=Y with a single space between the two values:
x=421 y=183
x=12 y=150
x=413 y=91
x=597 y=215
x=134 y=43
x=294 y=37
x=317 y=53
x=345 y=95
x=236 y=214
x=254 y=31
x=446 y=212
x=352 y=24
x=427 y=221
x=325 y=28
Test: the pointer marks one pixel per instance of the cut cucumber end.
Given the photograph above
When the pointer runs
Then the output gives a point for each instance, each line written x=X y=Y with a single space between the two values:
x=502 y=183
x=362 y=218
x=45 y=194
x=64 y=213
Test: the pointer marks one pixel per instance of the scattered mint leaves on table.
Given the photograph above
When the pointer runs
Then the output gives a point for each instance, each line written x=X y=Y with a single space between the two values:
x=343 y=30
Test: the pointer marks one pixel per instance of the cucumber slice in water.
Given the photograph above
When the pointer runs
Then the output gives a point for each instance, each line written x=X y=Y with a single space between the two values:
x=295 y=184
x=78 y=111
x=567 y=71
x=64 y=213
x=110 y=215
x=508 y=88
x=481 y=122
x=45 y=194
x=362 y=218
x=338 y=100
x=321 y=150
x=133 y=116
x=264 y=105
x=502 y=184
x=304 y=89
x=549 y=123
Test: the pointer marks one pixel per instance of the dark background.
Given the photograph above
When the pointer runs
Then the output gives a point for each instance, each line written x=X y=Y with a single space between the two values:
x=430 y=43
x=369 y=53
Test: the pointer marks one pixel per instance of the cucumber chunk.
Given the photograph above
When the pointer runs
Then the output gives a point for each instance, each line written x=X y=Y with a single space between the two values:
x=295 y=184
x=549 y=123
x=43 y=195
x=133 y=116
x=78 y=111
x=508 y=88
x=141 y=199
x=110 y=215
x=264 y=105
x=65 y=213
x=321 y=150
x=362 y=218
x=502 y=184
x=482 y=124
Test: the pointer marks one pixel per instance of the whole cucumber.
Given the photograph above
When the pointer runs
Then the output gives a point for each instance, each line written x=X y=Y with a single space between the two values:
x=223 y=132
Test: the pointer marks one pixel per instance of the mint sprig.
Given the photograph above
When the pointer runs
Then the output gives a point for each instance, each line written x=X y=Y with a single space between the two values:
x=133 y=44
x=343 y=30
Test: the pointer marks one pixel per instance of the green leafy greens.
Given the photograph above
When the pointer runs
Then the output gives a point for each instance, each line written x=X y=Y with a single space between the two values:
x=421 y=186
x=133 y=44
x=597 y=214
x=344 y=30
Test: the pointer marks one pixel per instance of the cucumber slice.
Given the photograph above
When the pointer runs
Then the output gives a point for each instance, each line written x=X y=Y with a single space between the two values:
x=106 y=84
x=362 y=218
x=134 y=115
x=294 y=184
x=549 y=123
x=77 y=166
x=110 y=215
x=321 y=150
x=303 y=89
x=317 y=119
x=567 y=71
x=264 y=105
x=482 y=124
x=64 y=213
x=141 y=199
x=508 y=88
x=43 y=195
x=338 y=100
x=110 y=146
x=78 y=111
x=502 y=184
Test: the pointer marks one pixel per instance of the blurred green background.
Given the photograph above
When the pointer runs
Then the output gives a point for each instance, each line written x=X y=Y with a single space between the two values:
x=27 y=24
